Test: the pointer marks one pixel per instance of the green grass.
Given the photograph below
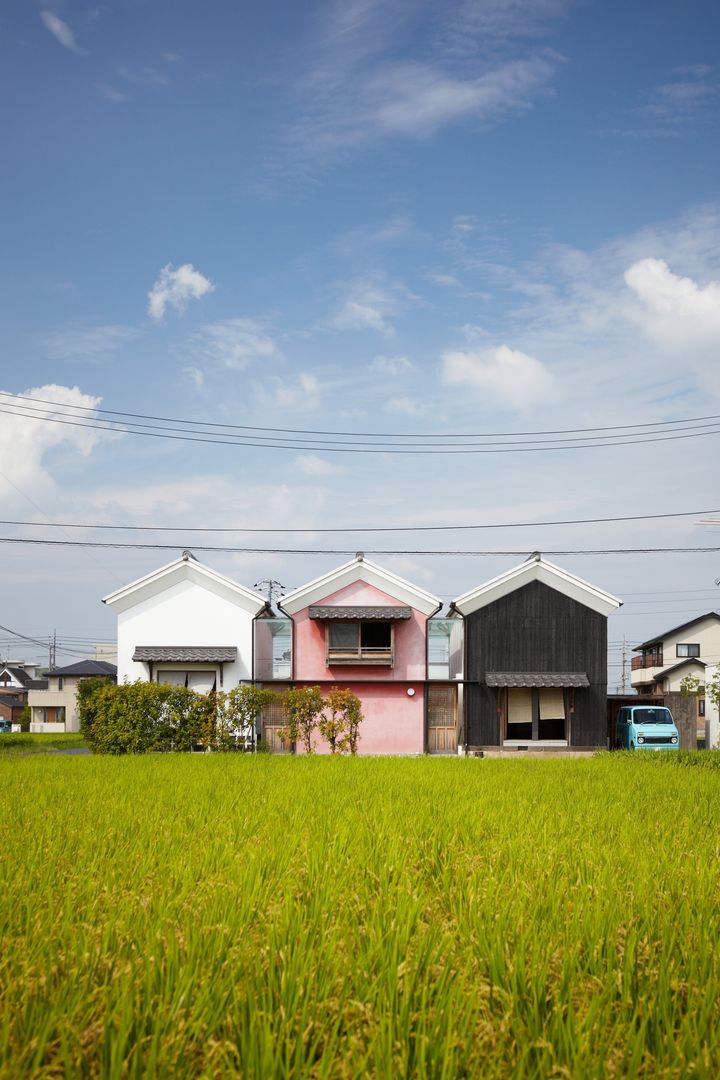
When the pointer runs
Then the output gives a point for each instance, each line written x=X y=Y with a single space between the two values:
x=12 y=743
x=213 y=916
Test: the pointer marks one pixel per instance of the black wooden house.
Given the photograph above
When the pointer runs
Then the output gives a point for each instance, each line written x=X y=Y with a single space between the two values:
x=535 y=663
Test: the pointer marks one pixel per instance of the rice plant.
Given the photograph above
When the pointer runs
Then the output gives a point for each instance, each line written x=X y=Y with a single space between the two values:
x=225 y=915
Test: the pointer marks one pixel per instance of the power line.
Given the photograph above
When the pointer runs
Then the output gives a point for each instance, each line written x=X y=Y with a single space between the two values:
x=270 y=442
x=349 y=551
x=353 y=434
x=357 y=529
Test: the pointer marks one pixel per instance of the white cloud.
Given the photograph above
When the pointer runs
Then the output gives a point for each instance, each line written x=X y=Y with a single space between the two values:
x=145 y=76
x=504 y=375
x=416 y=99
x=354 y=89
x=370 y=305
x=59 y=30
x=681 y=317
x=449 y=281
x=235 y=343
x=406 y=406
x=302 y=393
x=317 y=466
x=84 y=342
x=111 y=94
x=195 y=377
x=174 y=288
x=391 y=365
x=25 y=443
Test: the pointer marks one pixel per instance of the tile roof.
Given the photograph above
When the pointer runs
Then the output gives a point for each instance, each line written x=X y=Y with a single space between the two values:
x=84 y=667
x=18 y=673
x=210 y=654
x=11 y=702
x=536 y=678
x=346 y=611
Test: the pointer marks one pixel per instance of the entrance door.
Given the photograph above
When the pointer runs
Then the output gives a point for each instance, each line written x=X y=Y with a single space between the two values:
x=273 y=722
x=442 y=720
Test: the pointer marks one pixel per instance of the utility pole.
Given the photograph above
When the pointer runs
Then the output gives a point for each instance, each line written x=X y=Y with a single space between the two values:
x=52 y=650
x=273 y=589
x=624 y=662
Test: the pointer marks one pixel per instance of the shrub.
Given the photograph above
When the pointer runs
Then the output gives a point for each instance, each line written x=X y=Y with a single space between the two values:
x=303 y=705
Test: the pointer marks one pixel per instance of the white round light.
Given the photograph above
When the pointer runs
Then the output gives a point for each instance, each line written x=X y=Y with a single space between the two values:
x=411 y=691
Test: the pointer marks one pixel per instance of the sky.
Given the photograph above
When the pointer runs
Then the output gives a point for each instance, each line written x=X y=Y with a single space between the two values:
x=486 y=217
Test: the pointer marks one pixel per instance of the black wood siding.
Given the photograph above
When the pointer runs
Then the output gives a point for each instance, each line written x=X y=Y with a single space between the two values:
x=536 y=628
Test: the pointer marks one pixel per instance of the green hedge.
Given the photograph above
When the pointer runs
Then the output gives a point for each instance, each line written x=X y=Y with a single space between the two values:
x=144 y=717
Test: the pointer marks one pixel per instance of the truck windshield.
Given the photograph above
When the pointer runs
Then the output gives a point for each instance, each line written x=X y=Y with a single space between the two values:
x=652 y=716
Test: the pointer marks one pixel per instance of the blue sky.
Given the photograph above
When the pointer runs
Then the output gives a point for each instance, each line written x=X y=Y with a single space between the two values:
x=486 y=215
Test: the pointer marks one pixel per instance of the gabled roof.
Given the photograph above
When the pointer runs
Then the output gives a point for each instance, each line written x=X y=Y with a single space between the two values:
x=676 y=630
x=186 y=568
x=681 y=664
x=536 y=569
x=19 y=674
x=84 y=668
x=360 y=569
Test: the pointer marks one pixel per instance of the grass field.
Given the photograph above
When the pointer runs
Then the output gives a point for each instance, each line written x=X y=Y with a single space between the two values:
x=20 y=742
x=211 y=916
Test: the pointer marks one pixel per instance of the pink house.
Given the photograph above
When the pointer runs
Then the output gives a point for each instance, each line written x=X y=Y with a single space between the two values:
x=364 y=628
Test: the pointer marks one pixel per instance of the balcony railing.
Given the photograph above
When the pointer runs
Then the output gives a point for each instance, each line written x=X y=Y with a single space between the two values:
x=650 y=660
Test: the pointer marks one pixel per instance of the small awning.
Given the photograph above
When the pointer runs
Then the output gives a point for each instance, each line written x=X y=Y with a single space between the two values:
x=536 y=678
x=191 y=654
x=337 y=611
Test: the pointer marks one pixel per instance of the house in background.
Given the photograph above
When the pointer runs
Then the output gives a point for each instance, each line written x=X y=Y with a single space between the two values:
x=54 y=710
x=187 y=625
x=363 y=628
x=665 y=660
x=11 y=708
x=535 y=660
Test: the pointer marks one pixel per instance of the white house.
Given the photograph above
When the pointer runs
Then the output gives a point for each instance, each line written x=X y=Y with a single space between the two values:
x=187 y=625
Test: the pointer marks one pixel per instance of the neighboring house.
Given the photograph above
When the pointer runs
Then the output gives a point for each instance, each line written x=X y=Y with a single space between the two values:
x=14 y=679
x=666 y=660
x=54 y=709
x=535 y=667
x=363 y=628
x=10 y=708
x=187 y=625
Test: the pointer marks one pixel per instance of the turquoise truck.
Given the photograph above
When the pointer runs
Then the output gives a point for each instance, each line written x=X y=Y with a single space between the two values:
x=646 y=727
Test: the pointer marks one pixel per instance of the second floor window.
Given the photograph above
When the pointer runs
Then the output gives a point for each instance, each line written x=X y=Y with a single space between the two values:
x=359 y=642
x=688 y=650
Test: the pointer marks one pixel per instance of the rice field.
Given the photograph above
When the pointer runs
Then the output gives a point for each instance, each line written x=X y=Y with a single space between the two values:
x=224 y=915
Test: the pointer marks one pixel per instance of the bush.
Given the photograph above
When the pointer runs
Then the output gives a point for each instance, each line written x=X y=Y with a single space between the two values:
x=139 y=717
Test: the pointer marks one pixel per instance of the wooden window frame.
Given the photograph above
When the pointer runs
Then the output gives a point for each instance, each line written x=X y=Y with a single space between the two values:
x=384 y=657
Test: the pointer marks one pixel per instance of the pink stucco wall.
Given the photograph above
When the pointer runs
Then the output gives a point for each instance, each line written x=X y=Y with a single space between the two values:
x=393 y=721
x=309 y=645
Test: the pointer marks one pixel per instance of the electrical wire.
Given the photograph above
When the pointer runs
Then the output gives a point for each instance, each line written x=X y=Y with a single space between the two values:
x=358 y=529
x=120 y=545
x=265 y=442
x=353 y=434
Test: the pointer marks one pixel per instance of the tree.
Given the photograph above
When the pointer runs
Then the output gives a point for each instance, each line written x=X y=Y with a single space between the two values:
x=302 y=706
x=238 y=711
x=340 y=722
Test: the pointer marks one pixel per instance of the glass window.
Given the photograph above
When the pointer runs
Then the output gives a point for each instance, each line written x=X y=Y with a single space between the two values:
x=343 y=635
x=688 y=650
x=361 y=642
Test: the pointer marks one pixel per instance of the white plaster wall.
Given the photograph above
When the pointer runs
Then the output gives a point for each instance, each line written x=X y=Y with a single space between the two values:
x=186 y=614
x=705 y=634
x=712 y=718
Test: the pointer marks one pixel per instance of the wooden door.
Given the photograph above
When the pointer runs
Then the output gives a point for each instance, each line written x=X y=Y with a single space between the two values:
x=442 y=720
x=273 y=722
